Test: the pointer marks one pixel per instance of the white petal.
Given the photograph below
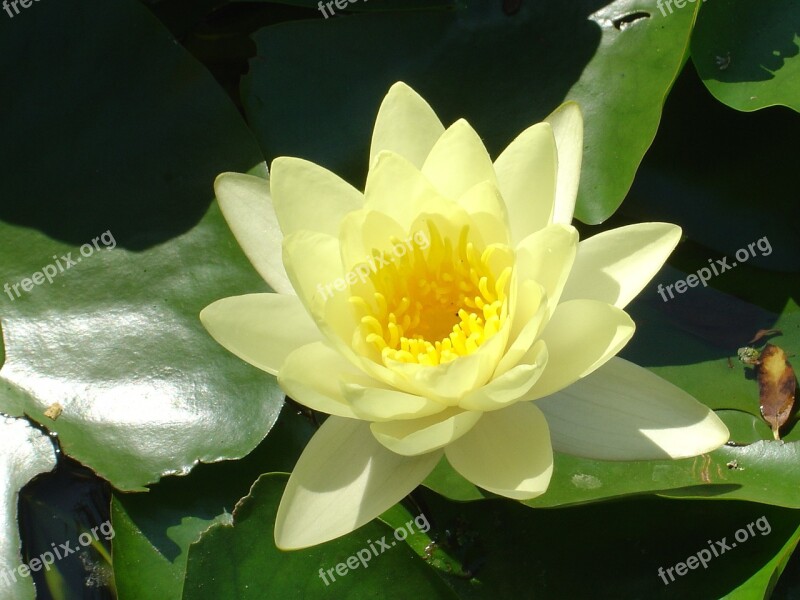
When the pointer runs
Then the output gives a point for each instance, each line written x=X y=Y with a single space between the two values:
x=615 y=265
x=344 y=479
x=262 y=329
x=625 y=412
x=246 y=204
x=406 y=125
x=526 y=174
x=567 y=124
x=508 y=452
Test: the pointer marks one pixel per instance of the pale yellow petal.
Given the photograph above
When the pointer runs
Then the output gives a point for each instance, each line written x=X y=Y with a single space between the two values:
x=397 y=188
x=546 y=257
x=526 y=174
x=420 y=436
x=374 y=403
x=246 y=204
x=450 y=381
x=615 y=265
x=530 y=317
x=406 y=125
x=507 y=453
x=458 y=161
x=367 y=239
x=343 y=479
x=312 y=376
x=308 y=196
x=314 y=265
x=625 y=412
x=485 y=205
x=581 y=336
x=262 y=329
x=512 y=385
x=567 y=124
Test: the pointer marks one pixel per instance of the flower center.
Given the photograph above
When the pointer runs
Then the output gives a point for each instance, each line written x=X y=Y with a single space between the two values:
x=432 y=306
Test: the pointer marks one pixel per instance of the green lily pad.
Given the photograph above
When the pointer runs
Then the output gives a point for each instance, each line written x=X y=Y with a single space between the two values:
x=123 y=221
x=360 y=5
x=503 y=73
x=689 y=347
x=24 y=453
x=513 y=552
x=748 y=52
x=154 y=530
x=726 y=178
x=248 y=548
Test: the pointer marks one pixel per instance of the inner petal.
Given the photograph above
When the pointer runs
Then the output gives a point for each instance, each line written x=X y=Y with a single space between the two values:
x=435 y=303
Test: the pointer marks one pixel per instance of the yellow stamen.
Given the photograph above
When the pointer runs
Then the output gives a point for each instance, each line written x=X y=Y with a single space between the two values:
x=433 y=306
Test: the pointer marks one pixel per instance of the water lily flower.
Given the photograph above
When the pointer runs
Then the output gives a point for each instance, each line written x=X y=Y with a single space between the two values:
x=449 y=309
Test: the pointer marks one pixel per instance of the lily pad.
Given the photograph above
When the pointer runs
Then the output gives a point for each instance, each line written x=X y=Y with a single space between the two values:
x=25 y=452
x=248 y=546
x=154 y=530
x=502 y=72
x=131 y=239
x=748 y=52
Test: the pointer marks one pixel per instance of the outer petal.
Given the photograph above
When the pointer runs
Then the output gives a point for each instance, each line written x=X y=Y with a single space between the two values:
x=526 y=174
x=308 y=196
x=262 y=329
x=625 y=412
x=581 y=336
x=344 y=479
x=246 y=203
x=507 y=453
x=567 y=124
x=420 y=436
x=406 y=125
x=311 y=375
x=615 y=265
x=458 y=161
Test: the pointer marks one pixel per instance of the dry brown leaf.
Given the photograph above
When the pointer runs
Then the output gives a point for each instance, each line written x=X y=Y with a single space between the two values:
x=777 y=384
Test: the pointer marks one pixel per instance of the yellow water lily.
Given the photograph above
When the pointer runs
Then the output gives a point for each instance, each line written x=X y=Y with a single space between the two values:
x=449 y=309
